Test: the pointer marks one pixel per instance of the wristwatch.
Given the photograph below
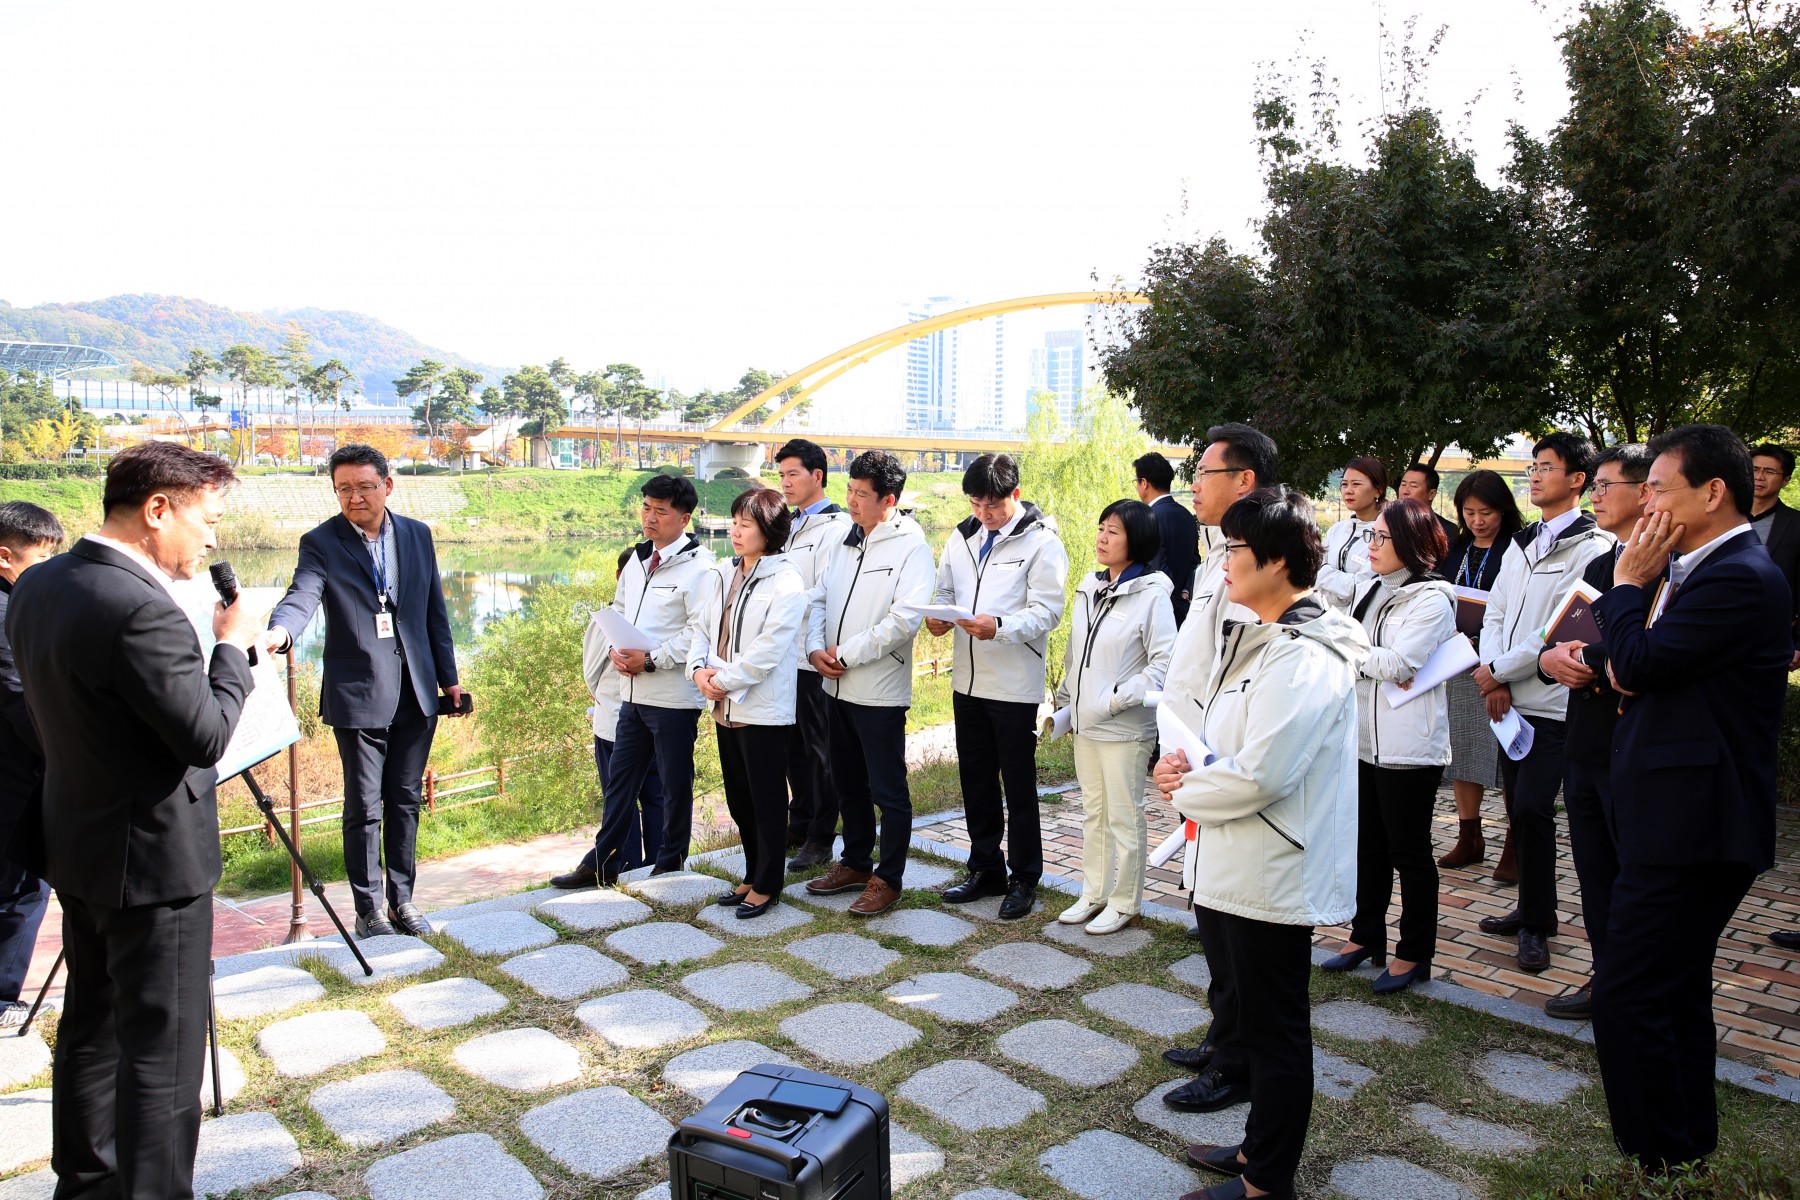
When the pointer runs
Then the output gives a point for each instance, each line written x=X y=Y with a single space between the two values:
x=649 y=665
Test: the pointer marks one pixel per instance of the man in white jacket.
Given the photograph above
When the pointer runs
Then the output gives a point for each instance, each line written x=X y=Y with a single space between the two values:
x=1006 y=565
x=1543 y=563
x=859 y=637
x=817 y=526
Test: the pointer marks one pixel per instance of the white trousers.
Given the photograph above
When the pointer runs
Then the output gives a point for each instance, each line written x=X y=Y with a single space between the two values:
x=1112 y=781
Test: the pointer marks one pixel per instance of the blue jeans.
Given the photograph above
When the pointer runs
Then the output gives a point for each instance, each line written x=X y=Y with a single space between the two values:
x=659 y=739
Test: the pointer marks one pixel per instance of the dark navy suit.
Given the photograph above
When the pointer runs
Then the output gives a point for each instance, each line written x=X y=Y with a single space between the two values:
x=1178 y=555
x=1693 y=784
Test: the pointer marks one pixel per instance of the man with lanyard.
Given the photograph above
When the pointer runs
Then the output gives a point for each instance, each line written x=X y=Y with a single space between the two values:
x=818 y=525
x=388 y=650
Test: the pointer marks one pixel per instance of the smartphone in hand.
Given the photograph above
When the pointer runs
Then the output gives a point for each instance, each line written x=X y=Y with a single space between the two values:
x=448 y=707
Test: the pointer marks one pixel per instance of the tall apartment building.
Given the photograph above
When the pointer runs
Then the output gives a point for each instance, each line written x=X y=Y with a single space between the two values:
x=955 y=378
x=1059 y=372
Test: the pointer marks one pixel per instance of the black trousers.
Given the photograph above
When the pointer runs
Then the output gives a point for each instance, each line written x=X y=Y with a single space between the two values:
x=1228 y=1057
x=996 y=750
x=130 y=1049
x=1393 y=836
x=381 y=801
x=1531 y=787
x=813 y=814
x=666 y=737
x=1587 y=799
x=23 y=897
x=753 y=760
x=868 y=765
x=650 y=800
x=1271 y=966
x=1653 y=1007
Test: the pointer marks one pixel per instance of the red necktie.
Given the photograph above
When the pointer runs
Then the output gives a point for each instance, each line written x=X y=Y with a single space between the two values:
x=655 y=561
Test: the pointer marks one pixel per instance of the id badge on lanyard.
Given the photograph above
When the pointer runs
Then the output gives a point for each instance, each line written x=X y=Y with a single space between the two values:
x=384 y=622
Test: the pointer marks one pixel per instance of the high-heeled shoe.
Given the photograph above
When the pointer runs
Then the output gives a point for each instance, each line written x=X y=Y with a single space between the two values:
x=1388 y=982
x=1354 y=959
x=732 y=899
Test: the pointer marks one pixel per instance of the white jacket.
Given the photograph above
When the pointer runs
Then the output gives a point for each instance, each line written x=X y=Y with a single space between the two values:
x=1277 y=808
x=1022 y=582
x=1346 y=566
x=1526 y=594
x=859 y=606
x=1405 y=620
x=602 y=681
x=1120 y=640
x=810 y=539
x=767 y=624
x=662 y=607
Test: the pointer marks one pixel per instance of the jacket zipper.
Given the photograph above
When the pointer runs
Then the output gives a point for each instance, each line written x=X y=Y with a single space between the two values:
x=862 y=556
x=1087 y=651
x=1278 y=830
x=737 y=633
x=974 y=606
x=642 y=596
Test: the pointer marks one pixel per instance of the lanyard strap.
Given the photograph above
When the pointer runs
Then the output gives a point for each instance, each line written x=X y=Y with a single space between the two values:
x=381 y=575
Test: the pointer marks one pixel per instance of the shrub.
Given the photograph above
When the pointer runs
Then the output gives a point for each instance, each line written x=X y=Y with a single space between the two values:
x=1727 y=1177
x=44 y=470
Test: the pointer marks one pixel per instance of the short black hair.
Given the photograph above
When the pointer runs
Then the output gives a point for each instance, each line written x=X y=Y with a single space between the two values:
x=1247 y=449
x=1143 y=537
x=139 y=472
x=772 y=516
x=357 y=455
x=1576 y=452
x=1277 y=523
x=1780 y=454
x=1710 y=452
x=991 y=477
x=1154 y=470
x=1417 y=534
x=24 y=525
x=880 y=470
x=810 y=454
x=1634 y=459
x=678 y=490
x=1432 y=479
x=624 y=557
x=1493 y=492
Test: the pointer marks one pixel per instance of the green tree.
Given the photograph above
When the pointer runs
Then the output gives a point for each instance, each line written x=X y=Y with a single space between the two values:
x=293 y=361
x=422 y=380
x=25 y=398
x=632 y=398
x=532 y=394
x=247 y=367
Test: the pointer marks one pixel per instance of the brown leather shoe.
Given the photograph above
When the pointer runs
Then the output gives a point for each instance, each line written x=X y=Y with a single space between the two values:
x=1471 y=846
x=1507 y=869
x=839 y=879
x=877 y=898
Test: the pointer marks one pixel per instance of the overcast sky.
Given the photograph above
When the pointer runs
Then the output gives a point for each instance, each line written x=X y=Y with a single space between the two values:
x=691 y=185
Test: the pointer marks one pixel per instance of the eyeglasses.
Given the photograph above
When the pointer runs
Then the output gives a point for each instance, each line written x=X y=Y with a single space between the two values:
x=1767 y=472
x=1538 y=469
x=1380 y=538
x=1234 y=547
x=1600 y=489
x=1198 y=471
x=357 y=489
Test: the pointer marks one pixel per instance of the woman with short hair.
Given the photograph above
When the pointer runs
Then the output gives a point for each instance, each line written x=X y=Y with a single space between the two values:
x=1363 y=489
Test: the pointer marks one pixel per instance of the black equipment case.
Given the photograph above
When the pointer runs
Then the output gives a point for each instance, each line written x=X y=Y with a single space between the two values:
x=783 y=1133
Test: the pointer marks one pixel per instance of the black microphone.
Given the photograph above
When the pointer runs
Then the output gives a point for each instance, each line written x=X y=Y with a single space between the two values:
x=225 y=580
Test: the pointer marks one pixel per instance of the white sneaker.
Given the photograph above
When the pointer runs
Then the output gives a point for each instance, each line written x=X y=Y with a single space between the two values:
x=1080 y=912
x=1111 y=921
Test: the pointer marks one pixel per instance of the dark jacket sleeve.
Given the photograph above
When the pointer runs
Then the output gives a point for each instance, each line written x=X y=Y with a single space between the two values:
x=437 y=619
x=295 y=612
x=1693 y=640
x=12 y=694
x=193 y=710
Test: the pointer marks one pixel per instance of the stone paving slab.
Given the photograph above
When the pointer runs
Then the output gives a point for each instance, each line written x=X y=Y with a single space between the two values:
x=950 y=996
x=499 y=933
x=1365 y=1023
x=265 y=990
x=517 y=902
x=779 y=919
x=1102 y=1165
x=661 y=1191
x=910 y=1157
x=325 y=948
x=851 y=1034
x=744 y=987
x=678 y=888
x=305 y=1196
x=393 y=957
x=642 y=1020
x=706 y=1072
x=242 y=1151
x=970 y=1095
x=663 y=942
x=1222 y=1128
x=838 y=903
x=1382 y=1178
x=566 y=971
x=446 y=1002
x=1113 y=945
x=23 y=1058
x=374 y=1109
x=988 y=1194
x=1031 y=964
x=1150 y=1009
x=600 y=1133
x=1524 y=1077
x=598 y=908
x=315 y=1042
x=1337 y=1077
x=925 y=876
x=1193 y=971
x=925 y=926
x=231 y=1077
x=24 y=1128
x=467 y=1165
x=525 y=1060
x=1072 y=1053
x=38 y=1185
x=844 y=955
x=987 y=908
x=1470 y=1134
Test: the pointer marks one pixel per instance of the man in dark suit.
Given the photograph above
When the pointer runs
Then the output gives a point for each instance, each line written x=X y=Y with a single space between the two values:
x=132 y=719
x=1178 y=555
x=1699 y=647
x=387 y=652
x=1778 y=526
x=28 y=536
x=1420 y=482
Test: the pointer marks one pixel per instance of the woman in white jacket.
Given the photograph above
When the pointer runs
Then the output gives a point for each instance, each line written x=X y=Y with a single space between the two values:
x=1119 y=643
x=744 y=646
x=1346 y=566
x=1276 y=807
x=1407 y=613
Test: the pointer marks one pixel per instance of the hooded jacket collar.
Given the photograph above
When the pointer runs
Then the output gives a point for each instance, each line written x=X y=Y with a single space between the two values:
x=1029 y=515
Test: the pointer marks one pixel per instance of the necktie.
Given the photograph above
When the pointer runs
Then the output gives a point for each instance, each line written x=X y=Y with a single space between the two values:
x=989 y=544
x=655 y=561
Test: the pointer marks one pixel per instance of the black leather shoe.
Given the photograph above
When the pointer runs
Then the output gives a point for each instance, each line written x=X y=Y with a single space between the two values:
x=1505 y=926
x=975 y=886
x=1193 y=933
x=1534 y=955
x=369 y=925
x=1787 y=939
x=583 y=876
x=1021 y=898
x=1572 y=1006
x=409 y=920
x=1353 y=959
x=812 y=854
x=1207 y=1092
x=747 y=910
x=1223 y=1159
x=1189 y=1058
x=731 y=899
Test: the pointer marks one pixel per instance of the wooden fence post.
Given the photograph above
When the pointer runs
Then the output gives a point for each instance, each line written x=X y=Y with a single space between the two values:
x=430 y=789
x=500 y=769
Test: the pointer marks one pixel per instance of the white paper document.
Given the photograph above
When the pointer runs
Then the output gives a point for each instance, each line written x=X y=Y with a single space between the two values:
x=1170 y=846
x=941 y=612
x=1058 y=723
x=1174 y=735
x=1152 y=699
x=266 y=727
x=622 y=633
x=1446 y=662
x=719 y=664
x=1515 y=734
